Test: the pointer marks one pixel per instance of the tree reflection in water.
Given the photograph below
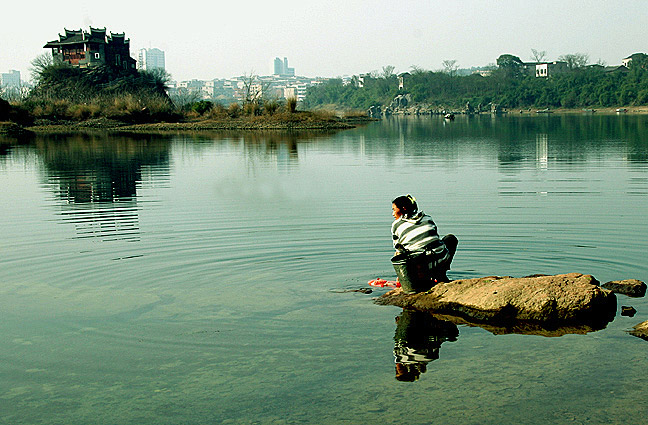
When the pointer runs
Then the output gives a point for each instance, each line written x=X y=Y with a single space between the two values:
x=97 y=178
x=417 y=341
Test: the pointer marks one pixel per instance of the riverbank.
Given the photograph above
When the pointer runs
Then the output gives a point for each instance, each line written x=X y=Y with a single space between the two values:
x=423 y=109
x=298 y=121
x=618 y=110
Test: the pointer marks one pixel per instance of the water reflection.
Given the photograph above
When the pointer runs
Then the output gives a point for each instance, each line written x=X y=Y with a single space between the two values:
x=96 y=178
x=520 y=327
x=570 y=139
x=417 y=341
x=281 y=148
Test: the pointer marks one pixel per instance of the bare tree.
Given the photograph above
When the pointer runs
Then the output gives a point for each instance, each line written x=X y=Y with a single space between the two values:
x=388 y=71
x=39 y=64
x=254 y=89
x=182 y=98
x=575 y=60
x=450 y=66
x=416 y=70
x=538 y=55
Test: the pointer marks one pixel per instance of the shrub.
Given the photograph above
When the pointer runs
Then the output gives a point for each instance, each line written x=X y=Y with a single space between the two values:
x=270 y=107
x=218 y=112
x=83 y=111
x=251 y=109
x=234 y=110
x=291 y=104
x=202 y=106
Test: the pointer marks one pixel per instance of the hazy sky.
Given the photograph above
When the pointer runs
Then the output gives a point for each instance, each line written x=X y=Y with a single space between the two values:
x=219 y=39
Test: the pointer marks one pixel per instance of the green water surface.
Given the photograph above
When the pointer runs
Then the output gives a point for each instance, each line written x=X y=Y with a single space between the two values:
x=197 y=279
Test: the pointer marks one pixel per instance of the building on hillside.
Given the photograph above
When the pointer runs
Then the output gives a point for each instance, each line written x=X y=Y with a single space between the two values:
x=640 y=57
x=281 y=68
x=402 y=80
x=149 y=59
x=529 y=68
x=616 y=69
x=10 y=79
x=89 y=49
x=546 y=69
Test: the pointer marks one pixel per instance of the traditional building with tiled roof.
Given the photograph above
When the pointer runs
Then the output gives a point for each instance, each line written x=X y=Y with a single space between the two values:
x=94 y=48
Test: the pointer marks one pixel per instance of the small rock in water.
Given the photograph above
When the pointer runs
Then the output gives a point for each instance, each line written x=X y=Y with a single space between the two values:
x=629 y=287
x=628 y=311
x=361 y=290
x=641 y=330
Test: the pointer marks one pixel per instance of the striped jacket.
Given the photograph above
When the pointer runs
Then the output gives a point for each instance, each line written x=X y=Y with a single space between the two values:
x=417 y=234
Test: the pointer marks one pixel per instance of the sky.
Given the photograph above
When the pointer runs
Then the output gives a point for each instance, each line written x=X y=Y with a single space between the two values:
x=329 y=38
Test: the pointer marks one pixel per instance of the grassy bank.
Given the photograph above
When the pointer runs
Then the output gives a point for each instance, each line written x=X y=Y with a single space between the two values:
x=299 y=120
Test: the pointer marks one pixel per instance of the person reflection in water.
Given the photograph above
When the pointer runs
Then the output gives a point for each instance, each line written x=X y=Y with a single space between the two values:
x=417 y=341
x=414 y=233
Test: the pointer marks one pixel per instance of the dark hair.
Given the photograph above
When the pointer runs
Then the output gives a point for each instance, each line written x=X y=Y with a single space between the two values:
x=407 y=204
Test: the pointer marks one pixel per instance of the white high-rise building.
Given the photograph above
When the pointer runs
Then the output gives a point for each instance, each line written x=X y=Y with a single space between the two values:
x=10 y=79
x=150 y=59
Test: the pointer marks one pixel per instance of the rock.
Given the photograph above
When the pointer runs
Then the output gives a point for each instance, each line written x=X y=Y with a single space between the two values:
x=641 y=330
x=361 y=290
x=629 y=287
x=13 y=130
x=565 y=298
x=628 y=311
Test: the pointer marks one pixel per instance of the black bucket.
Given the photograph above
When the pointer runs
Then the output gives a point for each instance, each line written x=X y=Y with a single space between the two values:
x=413 y=271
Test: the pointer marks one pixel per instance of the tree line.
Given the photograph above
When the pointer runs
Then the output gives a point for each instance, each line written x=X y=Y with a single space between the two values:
x=509 y=84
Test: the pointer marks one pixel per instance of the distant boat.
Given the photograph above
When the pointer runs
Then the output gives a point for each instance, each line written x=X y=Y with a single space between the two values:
x=621 y=110
x=449 y=117
x=544 y=111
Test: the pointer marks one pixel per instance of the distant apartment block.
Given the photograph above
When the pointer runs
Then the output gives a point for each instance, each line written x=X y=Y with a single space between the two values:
x=281 y=68
x=10 y=79
x=226 y=91
x=89 y=49
x=149 y=59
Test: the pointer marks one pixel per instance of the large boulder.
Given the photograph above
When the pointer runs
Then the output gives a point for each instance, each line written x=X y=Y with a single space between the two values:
x=559 y=299
x=641 y=330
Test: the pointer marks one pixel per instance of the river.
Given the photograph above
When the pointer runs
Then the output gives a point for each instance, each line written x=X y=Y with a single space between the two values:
x=199 y=279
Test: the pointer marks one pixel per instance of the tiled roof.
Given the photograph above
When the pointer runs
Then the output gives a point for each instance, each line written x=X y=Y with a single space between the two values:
x=96 y=35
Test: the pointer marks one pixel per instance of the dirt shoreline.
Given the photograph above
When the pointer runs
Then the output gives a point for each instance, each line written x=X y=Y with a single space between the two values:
x=103 y=124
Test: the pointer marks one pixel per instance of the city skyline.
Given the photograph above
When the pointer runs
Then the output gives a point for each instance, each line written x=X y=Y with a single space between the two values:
x=338 y=38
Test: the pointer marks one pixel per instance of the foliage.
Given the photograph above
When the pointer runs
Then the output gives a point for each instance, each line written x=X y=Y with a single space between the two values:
x=575 y=60
x=510 y=85
x=375 y=91
x=291 y=104
x=202 y=106
x=71 y=93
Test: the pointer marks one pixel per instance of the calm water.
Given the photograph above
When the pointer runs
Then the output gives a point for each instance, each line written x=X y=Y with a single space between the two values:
x=196 y=279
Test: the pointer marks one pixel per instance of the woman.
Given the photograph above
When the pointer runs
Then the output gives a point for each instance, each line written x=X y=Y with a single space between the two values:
x=414 y=232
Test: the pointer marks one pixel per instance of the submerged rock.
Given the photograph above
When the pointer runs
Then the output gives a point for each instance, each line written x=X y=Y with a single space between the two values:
x=566 y=298
x=641 y=330
x=629 y=287
x=628 y=311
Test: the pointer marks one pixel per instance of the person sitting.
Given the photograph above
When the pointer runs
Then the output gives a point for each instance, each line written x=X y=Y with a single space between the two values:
x=414 y=232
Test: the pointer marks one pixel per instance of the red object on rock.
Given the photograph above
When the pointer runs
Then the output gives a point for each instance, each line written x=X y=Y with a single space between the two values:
x=381 y=283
